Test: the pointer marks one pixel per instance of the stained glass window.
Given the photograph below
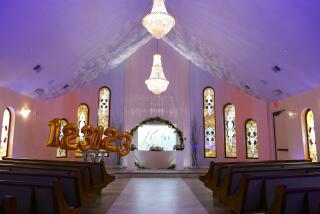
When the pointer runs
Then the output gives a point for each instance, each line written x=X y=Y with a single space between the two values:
x=5 y=133
x=209 y=123
x=252 y=139
x=82 y=120
x=230 y=131
x=311 y=136
x=104 y=107
x=61 y=153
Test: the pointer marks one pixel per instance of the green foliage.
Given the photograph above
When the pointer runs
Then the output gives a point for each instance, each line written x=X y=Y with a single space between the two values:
x=138 y=165
x=156 y=148
x=173 y=166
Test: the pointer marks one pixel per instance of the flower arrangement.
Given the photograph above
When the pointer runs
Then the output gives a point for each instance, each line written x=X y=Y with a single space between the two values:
x=178 y=147
x=139 y=166
x=155 y=148
x=173 y=166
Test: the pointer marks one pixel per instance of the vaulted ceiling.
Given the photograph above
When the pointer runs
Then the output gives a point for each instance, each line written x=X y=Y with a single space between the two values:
x=237 y=41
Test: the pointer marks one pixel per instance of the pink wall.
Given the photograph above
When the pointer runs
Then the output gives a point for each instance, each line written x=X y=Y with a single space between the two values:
x=66 y=106
x=35 y=137
x=21 y=126
x=295 y=126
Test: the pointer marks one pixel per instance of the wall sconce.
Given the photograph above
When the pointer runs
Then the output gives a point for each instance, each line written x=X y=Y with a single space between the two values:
x=24 y=112
x=292 y=114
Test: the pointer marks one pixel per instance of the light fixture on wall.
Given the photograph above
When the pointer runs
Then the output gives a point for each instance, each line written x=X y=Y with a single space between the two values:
x=24 y=112
x=157 y=82
x=291 y=113
x=158 y=22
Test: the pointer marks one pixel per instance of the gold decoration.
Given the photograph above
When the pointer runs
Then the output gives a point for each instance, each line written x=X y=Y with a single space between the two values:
x=70 y=132
x=92 y=138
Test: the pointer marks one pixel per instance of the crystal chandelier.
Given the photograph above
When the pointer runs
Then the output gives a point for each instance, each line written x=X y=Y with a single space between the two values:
x=157 y=82
x=158 y=22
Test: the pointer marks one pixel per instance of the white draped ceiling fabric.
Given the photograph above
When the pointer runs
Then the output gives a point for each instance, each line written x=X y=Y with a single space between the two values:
x=238 y=42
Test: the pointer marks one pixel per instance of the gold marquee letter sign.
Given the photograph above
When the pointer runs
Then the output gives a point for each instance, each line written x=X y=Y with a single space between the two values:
x=94 y=138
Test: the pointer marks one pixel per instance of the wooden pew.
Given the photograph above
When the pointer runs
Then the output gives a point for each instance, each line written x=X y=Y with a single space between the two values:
x=8 y=205
x=211 y=180
x=211 y=171
x=69 y=184
x=86 y=173
x=232 y=180
x=85 y=170
x=221 y=171
x=96 y=168
x=296 y=200
x=86 y=190
x=256 y=193
x=205 y=177
x=37 y=198
x=99 y=173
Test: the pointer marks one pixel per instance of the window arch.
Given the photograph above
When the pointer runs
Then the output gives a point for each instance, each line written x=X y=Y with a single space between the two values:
x=230 y=131
x=6 y=132
x=61 y=153
x=209 y=121
x=311 y=135
x=104 y=107
x=252 y=143
x=82 y=120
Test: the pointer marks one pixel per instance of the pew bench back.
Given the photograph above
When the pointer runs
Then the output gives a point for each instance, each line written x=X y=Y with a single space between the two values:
x=69 y=183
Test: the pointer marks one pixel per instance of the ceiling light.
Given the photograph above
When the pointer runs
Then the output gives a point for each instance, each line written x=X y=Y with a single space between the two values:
x=157 y=82
x=158 y=22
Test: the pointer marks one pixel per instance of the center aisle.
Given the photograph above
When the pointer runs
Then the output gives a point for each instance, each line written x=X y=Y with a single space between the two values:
x=157 y=195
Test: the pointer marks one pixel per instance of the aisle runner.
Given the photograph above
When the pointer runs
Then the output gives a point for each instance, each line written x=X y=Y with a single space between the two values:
x=155 y=196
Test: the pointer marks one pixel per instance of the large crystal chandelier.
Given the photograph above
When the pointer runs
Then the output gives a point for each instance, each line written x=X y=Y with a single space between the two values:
x=157 y=82
x=158 y=22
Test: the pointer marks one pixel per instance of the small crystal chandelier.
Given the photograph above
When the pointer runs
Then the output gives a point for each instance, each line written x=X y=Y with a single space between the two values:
x=158 y=22
x=157 y=82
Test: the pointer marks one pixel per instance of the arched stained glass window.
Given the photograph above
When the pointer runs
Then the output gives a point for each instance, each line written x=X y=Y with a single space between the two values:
x=104 y=107
x=311 y=136
x=5 y=133
x=209 y=120
x=104 y=110
x=252 y=144
x=82 y=120
x=230 y=131
x=61 y=153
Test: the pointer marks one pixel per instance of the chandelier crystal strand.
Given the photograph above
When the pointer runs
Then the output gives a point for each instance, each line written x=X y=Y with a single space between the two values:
x=157 y=82
x=158 y=22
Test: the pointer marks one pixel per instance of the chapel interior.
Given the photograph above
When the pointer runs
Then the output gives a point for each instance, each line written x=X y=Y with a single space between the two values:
x=159 y=106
